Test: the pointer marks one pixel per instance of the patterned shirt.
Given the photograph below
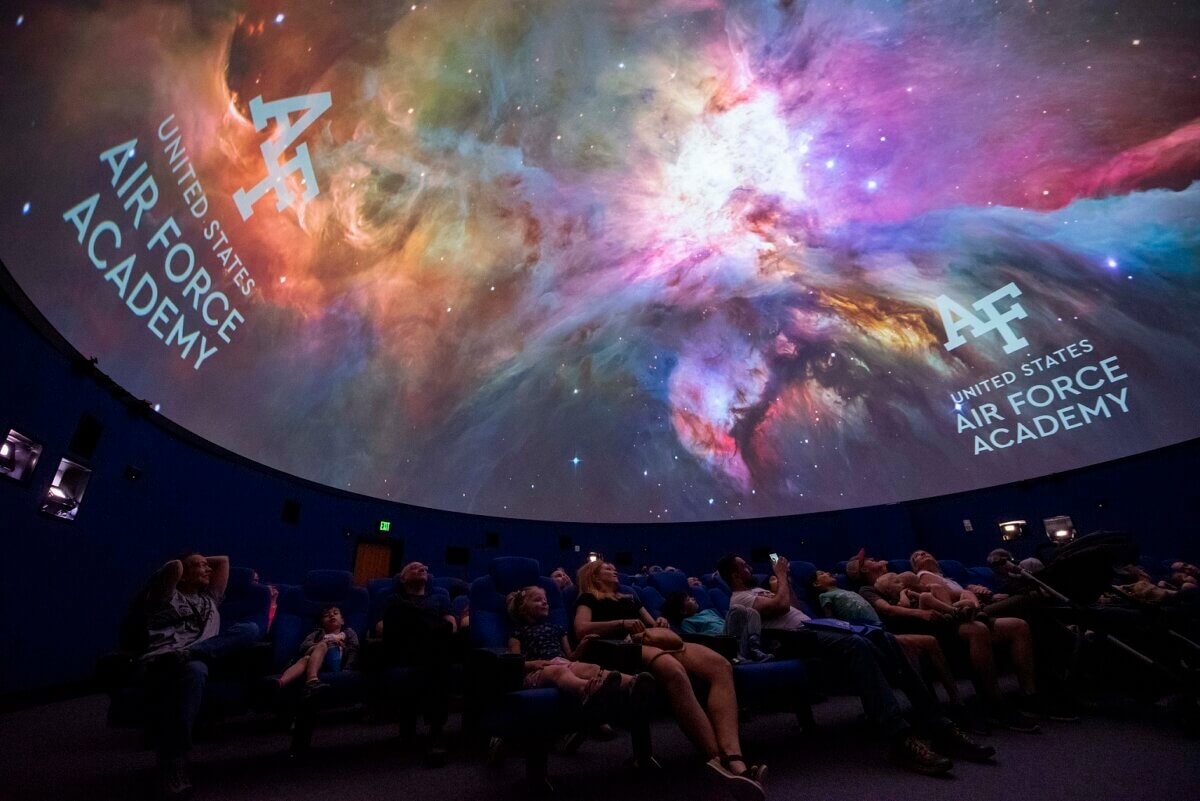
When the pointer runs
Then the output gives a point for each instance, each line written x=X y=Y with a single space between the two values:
x=540 y=640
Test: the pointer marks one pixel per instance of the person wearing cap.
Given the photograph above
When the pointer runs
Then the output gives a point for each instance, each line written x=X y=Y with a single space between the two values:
x=868 y=663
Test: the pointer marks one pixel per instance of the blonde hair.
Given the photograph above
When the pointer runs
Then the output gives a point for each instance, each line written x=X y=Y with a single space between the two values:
x=588 y=580
x=515 y=602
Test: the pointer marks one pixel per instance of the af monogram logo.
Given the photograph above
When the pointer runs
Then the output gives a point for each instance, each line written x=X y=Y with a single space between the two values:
x=273 y=149
x=955 y=318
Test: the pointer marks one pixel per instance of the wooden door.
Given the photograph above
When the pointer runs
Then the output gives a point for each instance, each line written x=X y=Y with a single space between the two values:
x=372 y=560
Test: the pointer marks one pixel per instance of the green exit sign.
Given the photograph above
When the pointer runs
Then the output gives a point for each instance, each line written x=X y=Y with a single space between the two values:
x=385 y=525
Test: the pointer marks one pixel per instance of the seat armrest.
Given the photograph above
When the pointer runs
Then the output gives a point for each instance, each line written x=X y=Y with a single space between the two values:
x=250 y=663
x=619 y=655
x=492 y=672
x=789 y=644
x=372 y=653
x=724 y=644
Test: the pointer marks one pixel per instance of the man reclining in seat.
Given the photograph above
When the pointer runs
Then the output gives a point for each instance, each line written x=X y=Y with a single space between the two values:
x=418 y=631
x=868 y=663
x=973 y=635
x=180 y=620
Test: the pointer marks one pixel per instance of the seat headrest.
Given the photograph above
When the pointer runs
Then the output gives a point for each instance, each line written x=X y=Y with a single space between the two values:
x=239 y=579
x=514 y=572
x=327 y=585
x=802 y=574
x=668 y=582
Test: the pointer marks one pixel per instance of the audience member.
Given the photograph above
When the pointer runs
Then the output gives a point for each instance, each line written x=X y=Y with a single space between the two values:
x=604 y=611
x=852 y=607
x=867 y=663
x=562 y=579
x=684 y=613
x=176 y=624
x=331 y=648
x=418 y=631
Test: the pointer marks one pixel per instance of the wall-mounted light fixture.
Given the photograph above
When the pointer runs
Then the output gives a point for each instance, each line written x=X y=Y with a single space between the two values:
x=1012 y=529
x=66 y=490
x=18 y=455
x=1059 y=529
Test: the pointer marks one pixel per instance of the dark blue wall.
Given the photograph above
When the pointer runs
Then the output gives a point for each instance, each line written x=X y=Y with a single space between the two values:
x=65 y=585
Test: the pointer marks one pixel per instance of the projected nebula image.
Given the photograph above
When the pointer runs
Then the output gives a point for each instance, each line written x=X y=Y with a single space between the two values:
x=622 y=260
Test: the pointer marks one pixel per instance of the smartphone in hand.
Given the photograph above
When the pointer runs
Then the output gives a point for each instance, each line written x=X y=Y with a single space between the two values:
x=774 y=558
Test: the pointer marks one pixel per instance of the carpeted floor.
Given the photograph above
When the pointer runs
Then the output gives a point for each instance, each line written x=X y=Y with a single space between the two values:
x=64 y=752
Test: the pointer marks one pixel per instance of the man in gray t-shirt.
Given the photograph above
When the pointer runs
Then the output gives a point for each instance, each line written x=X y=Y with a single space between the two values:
x=182 y=620
x=183 y=634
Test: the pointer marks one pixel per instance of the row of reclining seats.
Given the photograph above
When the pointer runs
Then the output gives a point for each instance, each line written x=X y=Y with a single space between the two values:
x=529 y=715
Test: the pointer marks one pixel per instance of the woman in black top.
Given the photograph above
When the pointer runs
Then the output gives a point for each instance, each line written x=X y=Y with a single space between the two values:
x=602 y=610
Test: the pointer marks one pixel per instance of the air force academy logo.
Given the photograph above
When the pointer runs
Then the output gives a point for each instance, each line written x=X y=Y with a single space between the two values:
x=273 y=149
x=955 y=318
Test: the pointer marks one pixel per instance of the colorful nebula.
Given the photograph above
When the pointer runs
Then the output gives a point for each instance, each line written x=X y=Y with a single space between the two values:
x=634 y=261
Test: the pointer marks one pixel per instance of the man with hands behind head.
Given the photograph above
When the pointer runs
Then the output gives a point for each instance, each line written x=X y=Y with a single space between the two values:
x=181 y=608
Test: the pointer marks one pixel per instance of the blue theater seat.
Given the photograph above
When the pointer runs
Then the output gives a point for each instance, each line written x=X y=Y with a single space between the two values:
x=454 y=587
x=720 y=600
x=802 y=574
x=954 y=569
x=245 y=600
x=985 y=576
x=899 y=565
x=651 y=598
x=666 y=583
x=296 y=616
x=228 y=691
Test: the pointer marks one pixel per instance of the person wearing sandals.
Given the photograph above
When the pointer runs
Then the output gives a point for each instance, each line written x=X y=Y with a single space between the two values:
x=604 y=611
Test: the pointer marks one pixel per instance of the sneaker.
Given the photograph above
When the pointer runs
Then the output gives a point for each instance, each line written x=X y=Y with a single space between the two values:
x=313 y=689
x=954 y=742
x=1014 y=720
x=756 y=655
x=741 y=786
x=173 y=783
x=1052 y=707
x=912 y=753
x=1062 y=710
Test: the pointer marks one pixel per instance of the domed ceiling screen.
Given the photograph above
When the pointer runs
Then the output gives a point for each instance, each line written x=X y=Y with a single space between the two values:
x=622 y=260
